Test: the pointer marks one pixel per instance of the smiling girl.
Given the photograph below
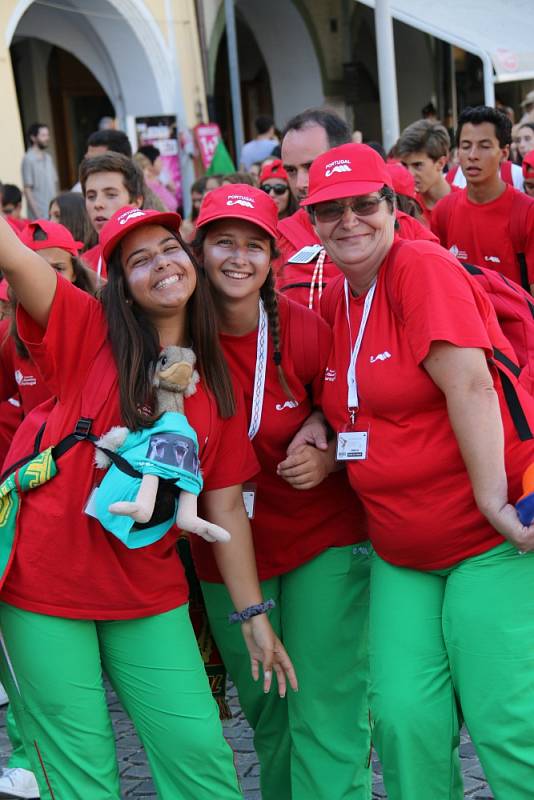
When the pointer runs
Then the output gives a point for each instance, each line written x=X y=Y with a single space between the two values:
x=76 y=601
x=308 y=529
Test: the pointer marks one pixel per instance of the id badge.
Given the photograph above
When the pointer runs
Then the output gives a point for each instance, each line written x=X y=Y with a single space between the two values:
x=90 y=506
x=352 y=445
x=249 y=499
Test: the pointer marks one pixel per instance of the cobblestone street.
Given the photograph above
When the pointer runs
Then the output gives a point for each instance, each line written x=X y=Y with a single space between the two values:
x=135 y=774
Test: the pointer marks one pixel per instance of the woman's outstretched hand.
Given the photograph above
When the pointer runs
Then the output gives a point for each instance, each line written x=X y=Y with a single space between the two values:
x=266 y=648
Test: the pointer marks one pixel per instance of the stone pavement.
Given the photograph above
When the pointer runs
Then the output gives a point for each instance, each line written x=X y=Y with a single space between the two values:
x=135 y=774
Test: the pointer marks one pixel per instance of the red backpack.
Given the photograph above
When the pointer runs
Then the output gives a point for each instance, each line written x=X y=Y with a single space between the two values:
x=514 y=308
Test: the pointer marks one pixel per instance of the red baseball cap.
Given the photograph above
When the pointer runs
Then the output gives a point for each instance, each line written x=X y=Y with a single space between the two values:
x=239 y=201
x=56 y=236
x=528 y=166
x=129 y=217
x=344 y=171
x=401 y=179
x=274 y=169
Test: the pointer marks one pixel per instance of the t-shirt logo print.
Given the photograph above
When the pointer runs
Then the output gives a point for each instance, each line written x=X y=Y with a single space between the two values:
x=240 y=200
x=340 y=165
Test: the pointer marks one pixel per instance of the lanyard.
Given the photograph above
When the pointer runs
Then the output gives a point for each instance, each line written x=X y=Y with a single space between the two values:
x=261 y=369
x=352 y=382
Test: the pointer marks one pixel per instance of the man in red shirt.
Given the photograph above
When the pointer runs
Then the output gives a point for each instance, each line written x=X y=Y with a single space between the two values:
x=109 y=182
x=423 y=148
x=489 y=223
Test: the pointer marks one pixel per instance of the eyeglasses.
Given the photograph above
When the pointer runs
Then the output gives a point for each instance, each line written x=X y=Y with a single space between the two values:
x=332 y=211
x=277 y=188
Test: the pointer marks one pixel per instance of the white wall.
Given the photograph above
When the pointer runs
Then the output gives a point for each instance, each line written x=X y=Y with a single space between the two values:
x=289 y=54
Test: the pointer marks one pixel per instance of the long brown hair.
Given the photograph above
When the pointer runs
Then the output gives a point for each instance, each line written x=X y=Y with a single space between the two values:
x=135 y=344
x=270 y=300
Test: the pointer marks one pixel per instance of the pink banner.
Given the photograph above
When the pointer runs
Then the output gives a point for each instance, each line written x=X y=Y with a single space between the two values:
x=208 y=137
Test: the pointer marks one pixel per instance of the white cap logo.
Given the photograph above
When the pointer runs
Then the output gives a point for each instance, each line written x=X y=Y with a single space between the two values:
x=240 y=200
x=128 y=215
x=340 y=165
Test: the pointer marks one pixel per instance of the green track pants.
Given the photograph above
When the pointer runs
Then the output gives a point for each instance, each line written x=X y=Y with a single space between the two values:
x=52 y=670
x=315 y=744
x=451 y=643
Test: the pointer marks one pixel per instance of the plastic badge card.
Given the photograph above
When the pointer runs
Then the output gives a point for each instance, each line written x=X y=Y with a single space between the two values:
x=249 y=499
x=352 y=445
x=305 y=254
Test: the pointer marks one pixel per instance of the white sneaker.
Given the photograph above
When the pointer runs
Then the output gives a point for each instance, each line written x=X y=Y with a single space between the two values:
x=3 y=696
x=18 y=782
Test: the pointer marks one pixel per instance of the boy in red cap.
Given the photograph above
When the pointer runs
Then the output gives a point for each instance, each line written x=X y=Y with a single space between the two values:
x=489 y=223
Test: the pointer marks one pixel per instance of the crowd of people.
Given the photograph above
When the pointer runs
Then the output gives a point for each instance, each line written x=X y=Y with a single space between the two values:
x=363 y=424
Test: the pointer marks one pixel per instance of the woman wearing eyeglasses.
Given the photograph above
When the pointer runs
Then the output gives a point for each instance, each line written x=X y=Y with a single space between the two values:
x=273 y=180
x=417 y=406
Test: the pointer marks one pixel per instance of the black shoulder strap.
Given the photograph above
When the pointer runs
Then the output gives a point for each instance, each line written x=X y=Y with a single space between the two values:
x=523 y=271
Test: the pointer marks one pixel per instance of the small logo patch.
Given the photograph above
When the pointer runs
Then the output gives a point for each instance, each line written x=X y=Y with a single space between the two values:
x=340 y=165
x=455 y=250
x=380 y=357
x=330 y=375
x=240 y=200
x=287 y=404
x=131 y=214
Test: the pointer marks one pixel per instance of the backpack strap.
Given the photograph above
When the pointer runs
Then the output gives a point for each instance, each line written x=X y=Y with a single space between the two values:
x=518 y=226
x=503 y=364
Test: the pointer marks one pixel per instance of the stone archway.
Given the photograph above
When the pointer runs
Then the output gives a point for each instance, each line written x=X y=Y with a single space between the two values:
x=117 y=40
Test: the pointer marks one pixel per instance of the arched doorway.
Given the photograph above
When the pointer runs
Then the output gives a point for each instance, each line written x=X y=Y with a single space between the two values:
x=118 y=52
x=279 y=39
x=70 y=97
x=255 y=85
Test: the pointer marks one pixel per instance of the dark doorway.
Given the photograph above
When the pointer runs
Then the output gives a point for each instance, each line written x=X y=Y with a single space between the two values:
x=78 y=104
x=77 y=101
x=256 y=96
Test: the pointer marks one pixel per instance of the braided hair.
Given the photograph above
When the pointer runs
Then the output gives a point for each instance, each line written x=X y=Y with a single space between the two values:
x=270 y=301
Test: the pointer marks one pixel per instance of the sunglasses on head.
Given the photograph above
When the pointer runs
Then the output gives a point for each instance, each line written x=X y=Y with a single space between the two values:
x=277 y=188
x=332 y=210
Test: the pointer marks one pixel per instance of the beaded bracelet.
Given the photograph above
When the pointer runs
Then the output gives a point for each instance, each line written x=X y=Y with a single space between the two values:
x=251 y=611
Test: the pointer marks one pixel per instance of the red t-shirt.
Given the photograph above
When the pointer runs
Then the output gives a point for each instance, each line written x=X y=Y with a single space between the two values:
x=65 y=563
x=92 y=258
x=481 y=233
x=414 y=485
x=290 y=526
x=19 y=375
x=10 y=419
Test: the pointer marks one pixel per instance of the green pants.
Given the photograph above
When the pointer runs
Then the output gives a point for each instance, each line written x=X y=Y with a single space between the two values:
x=316 y=742
x=458 y=641
x=52 y=670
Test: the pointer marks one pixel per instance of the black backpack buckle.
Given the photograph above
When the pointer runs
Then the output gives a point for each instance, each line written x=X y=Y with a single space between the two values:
x=83 y=428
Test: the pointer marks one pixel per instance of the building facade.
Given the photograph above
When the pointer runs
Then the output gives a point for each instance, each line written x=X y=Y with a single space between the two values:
x=71 y=62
